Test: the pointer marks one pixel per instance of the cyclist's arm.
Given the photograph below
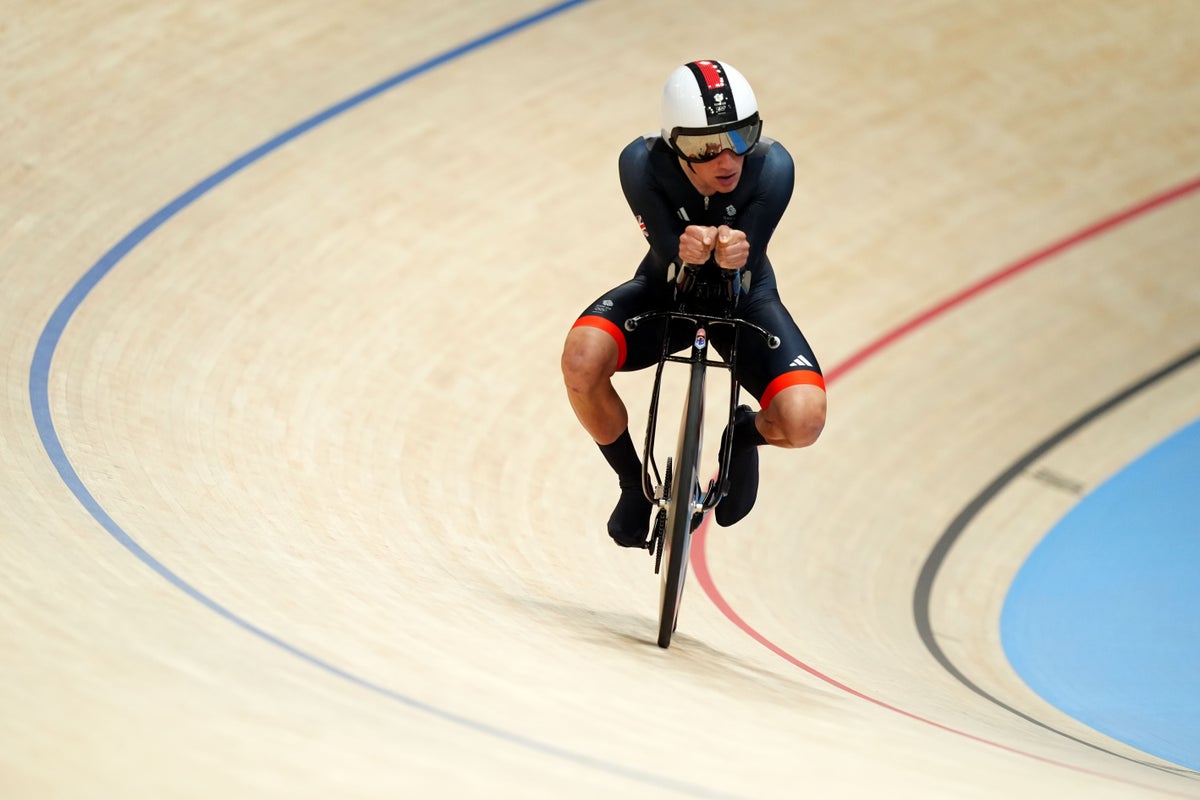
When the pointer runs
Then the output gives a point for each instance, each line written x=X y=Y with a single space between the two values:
x=772 y=195
x=649 y=203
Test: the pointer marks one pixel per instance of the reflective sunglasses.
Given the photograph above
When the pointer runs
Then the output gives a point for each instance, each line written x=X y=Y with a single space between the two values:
x=698 y=145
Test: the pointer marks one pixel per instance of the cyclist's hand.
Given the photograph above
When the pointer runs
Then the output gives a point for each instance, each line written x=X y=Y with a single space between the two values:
x=732 y=249
x=696 y=244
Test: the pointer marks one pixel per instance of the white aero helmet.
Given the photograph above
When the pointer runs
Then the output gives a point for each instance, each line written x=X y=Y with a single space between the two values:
x=708 y=107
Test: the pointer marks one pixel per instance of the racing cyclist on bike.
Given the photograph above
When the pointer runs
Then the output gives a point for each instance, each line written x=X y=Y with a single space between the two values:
x=707 y=194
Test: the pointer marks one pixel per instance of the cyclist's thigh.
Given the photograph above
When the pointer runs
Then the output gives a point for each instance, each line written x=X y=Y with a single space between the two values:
x=642 y=347
x=763 y=371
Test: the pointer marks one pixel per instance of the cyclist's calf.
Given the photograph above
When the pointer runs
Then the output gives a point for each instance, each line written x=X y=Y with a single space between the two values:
x=590 y=357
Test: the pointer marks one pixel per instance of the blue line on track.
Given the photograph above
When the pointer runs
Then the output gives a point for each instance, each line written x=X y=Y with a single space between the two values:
x=39 y=397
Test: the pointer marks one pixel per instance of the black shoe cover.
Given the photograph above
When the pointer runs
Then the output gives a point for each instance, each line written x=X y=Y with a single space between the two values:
x=743 y=472
x=629 y=525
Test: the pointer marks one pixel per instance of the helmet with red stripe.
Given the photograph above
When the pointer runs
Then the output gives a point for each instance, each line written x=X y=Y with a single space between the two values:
x=708 y=107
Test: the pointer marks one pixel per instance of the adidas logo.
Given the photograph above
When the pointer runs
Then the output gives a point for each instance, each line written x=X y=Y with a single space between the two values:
x=801 y=361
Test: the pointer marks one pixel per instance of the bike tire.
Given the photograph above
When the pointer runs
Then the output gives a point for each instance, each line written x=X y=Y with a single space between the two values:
x=684 y=494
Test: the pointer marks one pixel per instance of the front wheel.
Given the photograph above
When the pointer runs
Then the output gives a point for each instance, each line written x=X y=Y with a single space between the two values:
x=684 y=499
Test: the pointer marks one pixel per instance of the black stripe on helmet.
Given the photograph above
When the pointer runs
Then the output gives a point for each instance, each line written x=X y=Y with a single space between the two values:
x=715 y=92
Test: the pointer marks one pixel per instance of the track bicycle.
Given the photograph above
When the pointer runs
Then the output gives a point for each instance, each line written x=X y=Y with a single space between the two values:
x=705 y=299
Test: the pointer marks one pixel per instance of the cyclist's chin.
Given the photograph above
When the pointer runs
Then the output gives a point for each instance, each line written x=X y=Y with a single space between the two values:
x=727 y=183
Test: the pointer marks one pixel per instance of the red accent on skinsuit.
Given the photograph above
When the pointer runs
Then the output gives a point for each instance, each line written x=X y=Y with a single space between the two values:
x=794 y=378
x=608 y=327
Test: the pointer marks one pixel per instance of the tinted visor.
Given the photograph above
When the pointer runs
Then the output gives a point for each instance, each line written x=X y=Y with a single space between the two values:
x=704 y=144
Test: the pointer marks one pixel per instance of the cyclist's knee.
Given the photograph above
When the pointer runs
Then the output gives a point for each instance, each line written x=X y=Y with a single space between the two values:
x=589 y=358
x=796 y=416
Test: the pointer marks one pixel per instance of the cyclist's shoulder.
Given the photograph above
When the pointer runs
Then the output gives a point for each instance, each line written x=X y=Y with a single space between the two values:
x=646 y=162
x=645 y=152
x=769 y=167
x=771 y=154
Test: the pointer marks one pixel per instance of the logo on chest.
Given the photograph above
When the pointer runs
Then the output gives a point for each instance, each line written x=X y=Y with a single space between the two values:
x=729 y=215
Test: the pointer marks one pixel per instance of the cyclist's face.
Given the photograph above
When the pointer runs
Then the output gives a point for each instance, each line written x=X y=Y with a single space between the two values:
x=719 y=175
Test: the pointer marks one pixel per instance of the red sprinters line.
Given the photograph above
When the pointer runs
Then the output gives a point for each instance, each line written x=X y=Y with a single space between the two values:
x=699 y=557
x=996 y=278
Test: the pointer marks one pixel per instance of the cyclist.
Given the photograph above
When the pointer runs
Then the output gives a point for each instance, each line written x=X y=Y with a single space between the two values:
x=707 y=194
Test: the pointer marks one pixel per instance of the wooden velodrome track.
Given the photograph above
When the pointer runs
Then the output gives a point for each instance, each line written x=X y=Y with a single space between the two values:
x=292 y=502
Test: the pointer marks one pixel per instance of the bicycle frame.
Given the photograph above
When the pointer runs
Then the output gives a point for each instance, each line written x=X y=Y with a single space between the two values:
x=652 y=479
x=698 y=360
x=679 y=498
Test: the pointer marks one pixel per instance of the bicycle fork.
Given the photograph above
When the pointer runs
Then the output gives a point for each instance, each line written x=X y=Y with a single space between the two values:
x=655 y=486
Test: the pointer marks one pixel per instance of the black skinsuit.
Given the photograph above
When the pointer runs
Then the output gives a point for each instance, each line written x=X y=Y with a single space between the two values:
x=665 y=202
